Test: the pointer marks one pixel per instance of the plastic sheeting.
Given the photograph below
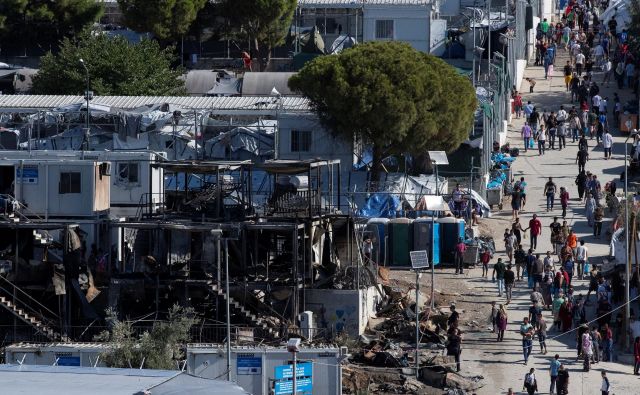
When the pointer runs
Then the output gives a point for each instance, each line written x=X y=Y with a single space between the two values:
x=380 y=205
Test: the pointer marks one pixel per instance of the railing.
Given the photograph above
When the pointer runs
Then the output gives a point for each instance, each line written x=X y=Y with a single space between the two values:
x=20 y=209
x=299 y=201
x=31 y=306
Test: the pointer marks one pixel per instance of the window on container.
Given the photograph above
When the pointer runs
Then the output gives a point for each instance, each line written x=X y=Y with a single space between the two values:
x=70 y=182
x=384 y=29
x=128 y=172
x=300 y=140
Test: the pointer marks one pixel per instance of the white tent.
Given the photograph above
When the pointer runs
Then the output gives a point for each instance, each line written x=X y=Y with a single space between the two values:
x=618 y=9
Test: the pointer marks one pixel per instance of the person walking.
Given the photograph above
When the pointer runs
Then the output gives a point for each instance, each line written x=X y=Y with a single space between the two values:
x=607 y=143
x=509 y=282
x=485 y=258
x=520 y=257
x=501 y=322
x=581 y=182
x=589 y=209
x=517 y=229
x=550 y=189
x=636 y=356
x=541 y=330
x=582 y=255
x=535 y=230
x=526 y=134
x=498 y=275
x=606 y=386
x=581 y=159
x=596 y=340
x=562 y=381
x=526 y=331
x=598 y=217
x=517 y=201
x=564 y=201
x=541 y=136
x=554 y=366
x=530 y=383
x=587 y=350
x=607 y=345
x=459 y=255
x=454 y=344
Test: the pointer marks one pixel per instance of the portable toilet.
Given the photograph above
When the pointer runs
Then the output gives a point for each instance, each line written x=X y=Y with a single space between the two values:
x=400 y=239
x=426 y=236
x=376 y=228
x=451 y=229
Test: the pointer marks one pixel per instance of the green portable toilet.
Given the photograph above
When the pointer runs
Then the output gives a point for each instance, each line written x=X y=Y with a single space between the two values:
x=400 y=242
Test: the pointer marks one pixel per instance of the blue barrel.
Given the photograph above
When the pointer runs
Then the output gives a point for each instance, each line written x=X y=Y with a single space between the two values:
x=400 y=239
x=376 y=228
x=451 y=229
x=426 y=236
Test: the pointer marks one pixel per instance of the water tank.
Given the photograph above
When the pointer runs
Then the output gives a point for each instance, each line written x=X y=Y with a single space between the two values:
x=451 y=229
x=400 y=239
x=300 y=182
x=377 y=229
x=307 y=326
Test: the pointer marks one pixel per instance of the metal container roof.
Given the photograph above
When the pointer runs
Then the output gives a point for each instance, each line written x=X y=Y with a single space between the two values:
x=50 y=102
x=359 y=3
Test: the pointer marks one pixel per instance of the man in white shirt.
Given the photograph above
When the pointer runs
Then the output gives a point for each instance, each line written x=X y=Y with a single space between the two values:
x=607 y=70
x=582 y=254
x=595 y=101
x=602 y=108
x=607 y=142
x=579 y=63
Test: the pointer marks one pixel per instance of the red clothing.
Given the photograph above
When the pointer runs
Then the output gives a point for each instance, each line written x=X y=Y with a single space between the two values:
x=565 y=276
x=536 y=227
x=608 y=334
x=636 y=351
x=460 y=248
x=485 y=257
x=565 y=316
x=564 y=198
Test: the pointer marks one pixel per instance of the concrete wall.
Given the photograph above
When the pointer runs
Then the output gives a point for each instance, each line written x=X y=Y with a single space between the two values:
x=438 y=36
x=340 y=310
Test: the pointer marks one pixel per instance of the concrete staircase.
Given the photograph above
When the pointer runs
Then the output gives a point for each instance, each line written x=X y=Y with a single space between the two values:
x=29 y=318
x=248 y=315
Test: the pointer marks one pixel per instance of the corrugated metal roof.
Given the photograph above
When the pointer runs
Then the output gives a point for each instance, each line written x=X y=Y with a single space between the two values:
x=358 y=3
x=48 y=102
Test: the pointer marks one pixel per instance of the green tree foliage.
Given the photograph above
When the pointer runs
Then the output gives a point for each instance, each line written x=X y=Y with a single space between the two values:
x=116 y=67
x=390 y=96
x=45 y=21
x=264 y=23
x=159 y=349
x=167 y=19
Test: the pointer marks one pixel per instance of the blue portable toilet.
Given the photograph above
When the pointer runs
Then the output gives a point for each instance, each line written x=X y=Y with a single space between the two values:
x=426 y=236
x=376 y=228
x=451 y=229
x=400 y=241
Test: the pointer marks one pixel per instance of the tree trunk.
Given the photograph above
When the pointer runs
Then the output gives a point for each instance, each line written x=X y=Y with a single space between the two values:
x=264 y=54
x=376 y=163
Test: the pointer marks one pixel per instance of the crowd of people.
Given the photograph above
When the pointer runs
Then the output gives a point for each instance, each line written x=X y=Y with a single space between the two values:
x=598 y=55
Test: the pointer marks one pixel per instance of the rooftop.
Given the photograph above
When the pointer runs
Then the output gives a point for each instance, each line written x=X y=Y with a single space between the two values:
x=72 y=380
x=50 y=102
x=359 y=3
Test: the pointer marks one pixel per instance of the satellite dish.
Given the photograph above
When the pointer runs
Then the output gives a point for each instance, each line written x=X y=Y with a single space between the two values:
x=274 y=92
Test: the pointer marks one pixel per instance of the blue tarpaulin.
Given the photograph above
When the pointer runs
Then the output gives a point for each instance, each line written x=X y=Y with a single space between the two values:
x=380 y=205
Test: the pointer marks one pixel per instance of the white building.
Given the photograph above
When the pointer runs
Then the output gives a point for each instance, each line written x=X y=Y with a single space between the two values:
x=413 y=21
x=134 y=181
